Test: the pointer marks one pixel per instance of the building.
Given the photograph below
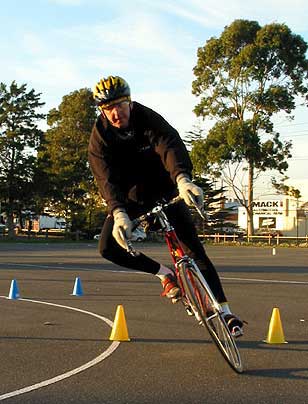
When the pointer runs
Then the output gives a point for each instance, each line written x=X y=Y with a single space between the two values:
x=281 y=214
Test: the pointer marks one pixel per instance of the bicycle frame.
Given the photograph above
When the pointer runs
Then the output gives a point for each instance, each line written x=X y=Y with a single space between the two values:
x=196 y=293
x=178 y=255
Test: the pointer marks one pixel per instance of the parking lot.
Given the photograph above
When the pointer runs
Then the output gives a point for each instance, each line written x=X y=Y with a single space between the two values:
x=55 y=347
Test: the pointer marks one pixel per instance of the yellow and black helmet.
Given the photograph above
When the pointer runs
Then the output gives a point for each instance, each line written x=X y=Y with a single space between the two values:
x=110 y=91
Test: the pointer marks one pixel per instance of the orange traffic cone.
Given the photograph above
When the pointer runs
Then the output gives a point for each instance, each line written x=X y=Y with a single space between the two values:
x=119 y=330
x=275 y=332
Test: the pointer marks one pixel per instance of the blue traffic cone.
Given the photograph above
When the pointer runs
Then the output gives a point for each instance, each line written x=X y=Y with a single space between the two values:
x=77 y=288
x=14 y=291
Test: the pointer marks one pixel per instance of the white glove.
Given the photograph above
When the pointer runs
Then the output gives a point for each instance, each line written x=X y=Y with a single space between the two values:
x=121 y=222
x=187 y=188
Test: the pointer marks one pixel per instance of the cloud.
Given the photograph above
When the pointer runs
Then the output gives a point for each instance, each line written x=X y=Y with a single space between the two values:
x=144 y=52
x=33 y=43
x=64 y=59
x=175 y=107
x=144 y=43
x=218 y=13
x=67 y=2
x=110 y=64
x=126 y=35
x=50 y=75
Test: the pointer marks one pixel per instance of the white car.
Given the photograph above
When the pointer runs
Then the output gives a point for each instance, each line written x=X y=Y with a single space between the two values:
x=137 y=235
x=3 y=228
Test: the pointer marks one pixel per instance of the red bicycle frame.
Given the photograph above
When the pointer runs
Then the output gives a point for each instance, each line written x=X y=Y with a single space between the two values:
x=177 y=253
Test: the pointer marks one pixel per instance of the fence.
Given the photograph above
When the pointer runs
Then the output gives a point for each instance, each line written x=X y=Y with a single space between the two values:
x=269 y=239
x=157 y=236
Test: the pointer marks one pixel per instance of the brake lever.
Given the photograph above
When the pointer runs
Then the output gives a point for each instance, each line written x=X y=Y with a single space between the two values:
x=128 y=244
x=198 y=209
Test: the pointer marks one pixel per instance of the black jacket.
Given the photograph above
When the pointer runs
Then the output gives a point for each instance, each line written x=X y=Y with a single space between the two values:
x=141 y=166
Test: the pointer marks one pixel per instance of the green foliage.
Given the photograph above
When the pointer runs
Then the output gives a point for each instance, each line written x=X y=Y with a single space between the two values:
x=250 y=69
x=70 y=127
x=19 y=138
x=63 y=157
x=216 y=215
x=243 y=78
x=285 y=189
x=234 y=142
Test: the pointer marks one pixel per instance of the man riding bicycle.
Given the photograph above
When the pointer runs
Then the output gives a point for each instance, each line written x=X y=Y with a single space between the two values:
x=137 y=158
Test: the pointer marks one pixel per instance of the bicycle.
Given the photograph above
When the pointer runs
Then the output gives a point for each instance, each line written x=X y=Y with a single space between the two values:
x=196 y=295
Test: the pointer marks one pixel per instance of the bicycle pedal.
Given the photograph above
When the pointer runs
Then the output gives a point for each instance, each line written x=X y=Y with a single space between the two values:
x=198 y=318
x=189 y=311
x=175 y=299
x=237 y=332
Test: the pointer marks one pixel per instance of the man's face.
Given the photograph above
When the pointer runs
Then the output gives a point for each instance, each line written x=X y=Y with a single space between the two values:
x=118 y=114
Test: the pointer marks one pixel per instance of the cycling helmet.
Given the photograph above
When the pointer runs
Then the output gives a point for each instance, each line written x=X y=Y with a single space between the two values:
x=111 y=90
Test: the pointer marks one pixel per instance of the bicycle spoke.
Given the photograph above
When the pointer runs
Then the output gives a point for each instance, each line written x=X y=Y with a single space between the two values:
x=206 y=312
x=224 y=340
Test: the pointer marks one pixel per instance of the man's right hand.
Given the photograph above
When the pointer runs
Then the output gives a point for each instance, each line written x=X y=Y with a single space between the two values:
x=121 y=222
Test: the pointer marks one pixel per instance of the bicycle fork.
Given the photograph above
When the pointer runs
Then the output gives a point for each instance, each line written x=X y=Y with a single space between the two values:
x=186 y=268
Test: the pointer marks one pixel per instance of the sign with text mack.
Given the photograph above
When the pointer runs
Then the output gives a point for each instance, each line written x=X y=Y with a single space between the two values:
x=272 y=207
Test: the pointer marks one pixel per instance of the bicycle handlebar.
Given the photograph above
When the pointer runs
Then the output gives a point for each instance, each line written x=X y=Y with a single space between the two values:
x=159 y=206
x=152 y=212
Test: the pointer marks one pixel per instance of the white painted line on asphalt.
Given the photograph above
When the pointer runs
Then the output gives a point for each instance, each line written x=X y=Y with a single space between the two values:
x=72 y=372
x=46 y=266
x=128 y=271
x=265 y=280
x=68 y=267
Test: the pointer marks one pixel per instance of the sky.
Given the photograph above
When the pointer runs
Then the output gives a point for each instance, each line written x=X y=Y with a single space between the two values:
x=59 y=46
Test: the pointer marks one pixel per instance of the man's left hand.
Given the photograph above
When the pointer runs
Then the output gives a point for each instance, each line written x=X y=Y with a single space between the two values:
x=187 y=188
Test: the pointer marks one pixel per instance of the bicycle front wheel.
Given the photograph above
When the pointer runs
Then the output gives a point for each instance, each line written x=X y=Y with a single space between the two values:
x=208 y=312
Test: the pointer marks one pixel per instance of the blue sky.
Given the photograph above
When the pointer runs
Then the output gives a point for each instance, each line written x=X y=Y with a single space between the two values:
x=58 y=46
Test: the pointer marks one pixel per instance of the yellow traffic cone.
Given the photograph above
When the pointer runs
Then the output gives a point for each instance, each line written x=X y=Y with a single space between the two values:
x=275 y=332
x=119 y=330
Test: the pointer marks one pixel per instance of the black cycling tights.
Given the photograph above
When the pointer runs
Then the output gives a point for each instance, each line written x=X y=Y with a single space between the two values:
x=180 y=218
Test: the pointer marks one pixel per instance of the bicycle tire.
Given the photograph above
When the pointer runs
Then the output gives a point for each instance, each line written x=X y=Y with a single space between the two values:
x=207 y=312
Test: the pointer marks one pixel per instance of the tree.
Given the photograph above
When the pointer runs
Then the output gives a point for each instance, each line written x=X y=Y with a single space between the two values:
x=19 y=138
x=284 y=189
x=243 y=78
x=214 y=201
x=63 y=157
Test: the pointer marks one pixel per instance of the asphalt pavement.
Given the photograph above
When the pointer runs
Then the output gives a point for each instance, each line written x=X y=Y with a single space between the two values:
x=55 y=346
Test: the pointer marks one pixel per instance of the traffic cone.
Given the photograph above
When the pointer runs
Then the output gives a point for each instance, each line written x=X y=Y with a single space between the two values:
x=77 y=291
x=275 y=332
x=14 y=291
x=119 y=330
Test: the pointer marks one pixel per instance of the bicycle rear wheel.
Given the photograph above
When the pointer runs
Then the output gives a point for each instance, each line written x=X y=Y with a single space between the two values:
x=207 y=311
